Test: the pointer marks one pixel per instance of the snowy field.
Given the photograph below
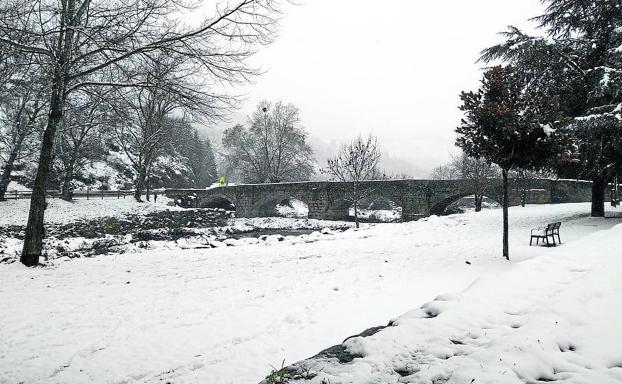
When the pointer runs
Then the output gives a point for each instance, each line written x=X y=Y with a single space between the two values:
x=555 y=318
x=15 y=212
x=225 y=315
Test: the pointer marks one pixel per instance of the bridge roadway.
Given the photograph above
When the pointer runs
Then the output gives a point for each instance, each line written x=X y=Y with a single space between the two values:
x=418 y=198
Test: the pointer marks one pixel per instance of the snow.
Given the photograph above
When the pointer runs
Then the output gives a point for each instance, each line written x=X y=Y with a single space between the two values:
x=15 y=186
x=548 y=130
x=247 y=224
x=295 y=208
x=382 y=215
x=224 y=315
x=553 y=318
x=15 y=212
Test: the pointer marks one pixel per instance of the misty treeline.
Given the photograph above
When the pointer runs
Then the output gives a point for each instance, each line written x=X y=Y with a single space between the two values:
x=131 y=74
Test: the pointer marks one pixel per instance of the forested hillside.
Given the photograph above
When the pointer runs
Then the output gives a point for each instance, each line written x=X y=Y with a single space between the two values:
x=103 y=164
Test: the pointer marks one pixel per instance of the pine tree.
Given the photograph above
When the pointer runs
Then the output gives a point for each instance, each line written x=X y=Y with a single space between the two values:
x=196 y=154
x=578 y=60
x=210 y=172
x=503 y=126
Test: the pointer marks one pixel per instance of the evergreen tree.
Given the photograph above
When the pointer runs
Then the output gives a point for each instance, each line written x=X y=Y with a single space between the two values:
x=578 y=60
x=196 y=154
x=210 y=169
x=504 y=127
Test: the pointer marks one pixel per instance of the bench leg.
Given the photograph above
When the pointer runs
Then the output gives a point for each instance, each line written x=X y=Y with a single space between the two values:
x=560 y=240
x=530 y=241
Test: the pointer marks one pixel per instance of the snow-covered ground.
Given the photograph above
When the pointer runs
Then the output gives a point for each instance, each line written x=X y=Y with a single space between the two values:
x=15 y=212
x=555 y=318
x=223 y=315
x=380 y=215
x=15 y=186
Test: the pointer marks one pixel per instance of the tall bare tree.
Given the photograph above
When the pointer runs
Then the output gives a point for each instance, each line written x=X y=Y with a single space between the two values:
x=22 y=101
x=149 y=115
x=355 y=163
x=273 y=149
x=445 y=172
x=83 y=116
x=93 y=42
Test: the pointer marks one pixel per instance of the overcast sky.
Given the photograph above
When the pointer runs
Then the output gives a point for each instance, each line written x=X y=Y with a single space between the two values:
x=393 y=68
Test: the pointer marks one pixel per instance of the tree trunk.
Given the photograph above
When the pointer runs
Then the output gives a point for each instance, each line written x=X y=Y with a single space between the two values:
x=478 y=202
x=148 y=186
x=523 y=197
x=66 y=192
x=615 y=191
x=598 y=197
x=140 y=184
x=6 y=173
x=506 y=203
x=33 y=241
x=356 y=204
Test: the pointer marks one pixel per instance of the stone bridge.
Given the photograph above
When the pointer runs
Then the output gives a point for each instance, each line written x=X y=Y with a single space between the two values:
x=418 y=198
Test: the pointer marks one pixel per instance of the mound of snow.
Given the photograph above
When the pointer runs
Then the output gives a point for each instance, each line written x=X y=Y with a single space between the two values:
x=293 y=209
x=552 y=318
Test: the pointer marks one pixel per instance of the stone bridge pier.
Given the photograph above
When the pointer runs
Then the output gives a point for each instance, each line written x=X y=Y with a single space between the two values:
x=417 y=198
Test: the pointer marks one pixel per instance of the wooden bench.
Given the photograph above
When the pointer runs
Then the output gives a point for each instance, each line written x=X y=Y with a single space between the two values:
x=550 y=231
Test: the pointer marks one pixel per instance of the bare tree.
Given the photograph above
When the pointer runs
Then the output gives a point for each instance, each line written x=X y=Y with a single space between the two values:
x=355 y=163
x=145 y=123
x=22 y=101
x=274 y=149
x=445 y=172
x=477 y=174
x=524 y=180
x=480 y=176
x=93 y=42
x=77 y=141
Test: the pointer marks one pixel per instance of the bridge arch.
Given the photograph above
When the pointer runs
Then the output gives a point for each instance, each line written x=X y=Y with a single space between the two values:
x=337 y=210
x=379 y=207
x=221 y=201
x=281 y=204
x=439 y=208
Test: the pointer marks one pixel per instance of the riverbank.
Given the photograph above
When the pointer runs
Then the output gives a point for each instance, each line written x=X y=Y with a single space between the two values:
x=85 y=228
